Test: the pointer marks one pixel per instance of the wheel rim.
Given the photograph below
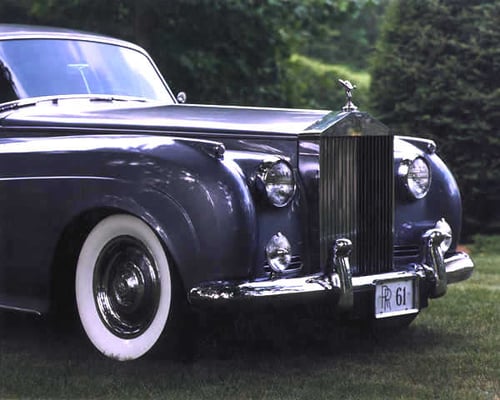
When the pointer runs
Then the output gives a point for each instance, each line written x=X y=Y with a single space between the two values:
x=126 y=287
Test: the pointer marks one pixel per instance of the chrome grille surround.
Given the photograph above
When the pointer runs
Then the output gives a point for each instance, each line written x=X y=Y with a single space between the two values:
x=356 y=199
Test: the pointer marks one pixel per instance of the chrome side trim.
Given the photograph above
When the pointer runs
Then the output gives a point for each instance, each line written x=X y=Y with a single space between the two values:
x=20 y=309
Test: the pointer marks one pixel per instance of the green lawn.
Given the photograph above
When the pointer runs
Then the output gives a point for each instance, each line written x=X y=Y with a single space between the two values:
x=452 y=351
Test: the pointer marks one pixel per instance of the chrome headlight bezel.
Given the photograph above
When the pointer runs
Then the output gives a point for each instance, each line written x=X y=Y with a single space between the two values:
x=278 y=253
x=416 y=176
x=276 y=180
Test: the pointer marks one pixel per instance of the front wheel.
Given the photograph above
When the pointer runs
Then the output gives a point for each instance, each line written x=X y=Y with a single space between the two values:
x=123 y=287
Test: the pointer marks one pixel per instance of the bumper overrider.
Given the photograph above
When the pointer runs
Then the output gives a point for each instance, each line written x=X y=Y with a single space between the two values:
x=395 y=293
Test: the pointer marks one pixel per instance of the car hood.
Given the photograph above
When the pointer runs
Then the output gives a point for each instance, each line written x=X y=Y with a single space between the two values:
x=194 y=118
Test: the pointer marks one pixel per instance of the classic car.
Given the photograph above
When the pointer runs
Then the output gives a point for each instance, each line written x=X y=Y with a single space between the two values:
x=114 y=192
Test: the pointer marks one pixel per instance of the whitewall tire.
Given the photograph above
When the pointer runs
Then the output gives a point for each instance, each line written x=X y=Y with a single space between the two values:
x=123 y=287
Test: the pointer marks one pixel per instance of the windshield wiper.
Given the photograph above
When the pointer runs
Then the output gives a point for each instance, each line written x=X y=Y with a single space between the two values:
x=21 y=103
x=112 y=98
x=17 y=104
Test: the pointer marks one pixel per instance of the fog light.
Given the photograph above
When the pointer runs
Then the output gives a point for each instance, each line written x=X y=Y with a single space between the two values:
x=278 y=252
x=443 y=226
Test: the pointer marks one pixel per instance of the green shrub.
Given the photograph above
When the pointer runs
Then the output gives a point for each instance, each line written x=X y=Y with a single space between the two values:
x=436 y=74
x=312 y=84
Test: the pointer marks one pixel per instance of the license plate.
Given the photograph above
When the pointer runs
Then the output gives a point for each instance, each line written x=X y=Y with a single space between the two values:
x=394 y=298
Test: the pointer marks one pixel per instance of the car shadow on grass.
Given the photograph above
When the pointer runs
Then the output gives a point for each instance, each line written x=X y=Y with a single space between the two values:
x=225 y=335
x=32 y=336
x=304 y=332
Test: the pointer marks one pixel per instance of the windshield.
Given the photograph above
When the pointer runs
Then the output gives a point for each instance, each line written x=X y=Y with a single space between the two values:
x=51 y=67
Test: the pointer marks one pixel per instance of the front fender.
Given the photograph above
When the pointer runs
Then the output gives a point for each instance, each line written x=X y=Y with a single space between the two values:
x=217 y=209
x=196 y=200
x=413 y=217
x=198 y=204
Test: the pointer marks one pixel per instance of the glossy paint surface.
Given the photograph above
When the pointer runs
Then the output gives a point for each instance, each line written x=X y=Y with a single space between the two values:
x=187 y=196
x=197 y=118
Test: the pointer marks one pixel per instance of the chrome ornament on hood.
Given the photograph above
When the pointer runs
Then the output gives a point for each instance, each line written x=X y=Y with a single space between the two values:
x=348 y=87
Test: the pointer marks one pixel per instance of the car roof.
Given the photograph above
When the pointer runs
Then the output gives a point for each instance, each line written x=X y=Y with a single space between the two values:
x=16 y=31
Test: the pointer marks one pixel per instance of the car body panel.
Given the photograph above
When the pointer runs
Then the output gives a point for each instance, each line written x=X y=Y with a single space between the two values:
x=126 y=173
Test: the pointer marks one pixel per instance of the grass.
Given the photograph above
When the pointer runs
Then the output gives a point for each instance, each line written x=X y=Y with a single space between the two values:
x=452 y=351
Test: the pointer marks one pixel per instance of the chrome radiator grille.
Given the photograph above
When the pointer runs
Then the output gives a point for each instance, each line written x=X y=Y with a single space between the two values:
x=356 y=191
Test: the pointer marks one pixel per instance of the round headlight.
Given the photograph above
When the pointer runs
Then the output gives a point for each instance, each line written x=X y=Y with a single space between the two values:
x=416 y=176
x=278 y=181
x=278 y=252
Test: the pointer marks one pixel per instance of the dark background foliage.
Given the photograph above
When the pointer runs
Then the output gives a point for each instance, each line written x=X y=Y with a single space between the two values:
x=218 y=51
x=436 y=73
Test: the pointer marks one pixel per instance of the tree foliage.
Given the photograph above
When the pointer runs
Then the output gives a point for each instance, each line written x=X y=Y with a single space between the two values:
x=219 y=51
x=351 y=40
x=437 y=73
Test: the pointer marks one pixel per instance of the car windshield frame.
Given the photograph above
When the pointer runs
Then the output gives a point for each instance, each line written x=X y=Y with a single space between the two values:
x=41 y=67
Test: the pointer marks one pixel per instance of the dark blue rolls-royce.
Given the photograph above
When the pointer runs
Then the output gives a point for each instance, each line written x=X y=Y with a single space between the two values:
x=115 y=194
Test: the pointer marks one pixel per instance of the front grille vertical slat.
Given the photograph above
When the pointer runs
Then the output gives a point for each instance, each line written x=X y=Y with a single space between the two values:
x=357 y=199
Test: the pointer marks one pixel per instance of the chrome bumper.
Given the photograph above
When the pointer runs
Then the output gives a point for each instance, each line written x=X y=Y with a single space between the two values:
x=338 y=284
x=458 y=268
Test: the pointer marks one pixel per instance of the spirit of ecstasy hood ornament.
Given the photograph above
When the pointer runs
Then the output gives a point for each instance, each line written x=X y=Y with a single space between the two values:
x=348 y=87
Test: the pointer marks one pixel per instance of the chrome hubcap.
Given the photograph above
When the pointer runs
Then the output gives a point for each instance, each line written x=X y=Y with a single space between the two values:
x=126 y=287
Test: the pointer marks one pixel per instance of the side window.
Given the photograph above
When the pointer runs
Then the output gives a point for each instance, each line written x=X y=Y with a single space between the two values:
x=7 y=92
